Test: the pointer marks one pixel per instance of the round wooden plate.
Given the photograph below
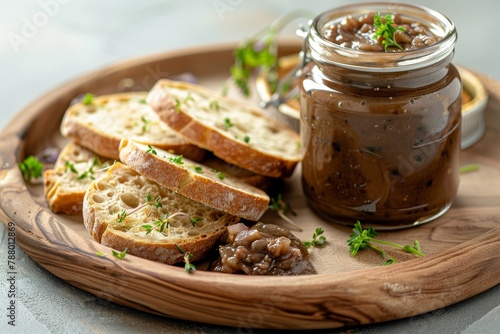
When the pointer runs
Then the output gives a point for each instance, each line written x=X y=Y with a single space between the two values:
x=462 y=257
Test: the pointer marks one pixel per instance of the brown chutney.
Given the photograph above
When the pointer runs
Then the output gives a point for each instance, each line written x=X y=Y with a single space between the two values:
x=381 y=128
x=357 y=33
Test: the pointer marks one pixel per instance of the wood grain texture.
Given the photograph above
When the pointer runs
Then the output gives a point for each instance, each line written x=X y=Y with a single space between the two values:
x=462 y=246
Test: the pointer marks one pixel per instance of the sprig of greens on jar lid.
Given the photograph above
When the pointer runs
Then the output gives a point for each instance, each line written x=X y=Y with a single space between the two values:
x=380 y=32
x=386 y=31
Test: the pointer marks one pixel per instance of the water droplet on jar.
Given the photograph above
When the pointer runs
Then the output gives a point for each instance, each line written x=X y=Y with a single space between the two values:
x=412 y=101
x=376 y=89
x=341 y=104
x=363 y=102
x=389 y=127
x=389 y=87
x=408 y=126
x=376 y=136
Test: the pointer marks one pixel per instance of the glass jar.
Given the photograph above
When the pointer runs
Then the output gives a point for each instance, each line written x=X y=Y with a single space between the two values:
x=381 y=129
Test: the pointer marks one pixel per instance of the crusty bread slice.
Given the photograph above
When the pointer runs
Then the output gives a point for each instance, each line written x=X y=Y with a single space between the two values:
x=265 y=183
x=100 y=124
x=66 y=182
x=120 y=211
x=233 y=131
x=196 y=181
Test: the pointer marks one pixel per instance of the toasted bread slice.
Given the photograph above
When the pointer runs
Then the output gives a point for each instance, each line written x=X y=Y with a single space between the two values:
x=121 y=210
x=65 y=184
x=99 y=125
x=235 y=132
x=196 y=181
x=265 y=183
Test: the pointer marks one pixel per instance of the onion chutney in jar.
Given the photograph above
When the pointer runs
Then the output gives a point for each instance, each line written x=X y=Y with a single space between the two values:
x=380 y=115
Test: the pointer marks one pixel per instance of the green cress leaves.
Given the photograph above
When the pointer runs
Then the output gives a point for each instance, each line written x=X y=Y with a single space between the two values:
x=151 y=150
x=31 y=168
x=188 y=266
x=88 y=99
x=282 y=208
x=119 y=255
x=386 y=31
x=364 y=238
x=248 y=57
x=88 y=173
x=318 y=239
x=260 y=52
x=176 y=160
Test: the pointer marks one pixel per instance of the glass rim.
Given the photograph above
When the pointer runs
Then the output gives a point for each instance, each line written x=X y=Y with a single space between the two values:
x=323 y=50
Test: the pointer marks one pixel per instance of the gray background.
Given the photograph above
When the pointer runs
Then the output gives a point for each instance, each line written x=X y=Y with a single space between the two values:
x=83 y=35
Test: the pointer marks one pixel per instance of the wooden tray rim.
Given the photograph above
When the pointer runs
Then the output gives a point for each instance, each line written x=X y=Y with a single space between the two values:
x=176 y=277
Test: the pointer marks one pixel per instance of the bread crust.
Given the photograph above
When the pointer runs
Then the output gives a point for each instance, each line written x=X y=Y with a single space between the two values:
x=265 y=183
x=99 y=126
x=107 y=197
x=196 y=181
x=263 y=145
x=64 y=189
x=58 y=199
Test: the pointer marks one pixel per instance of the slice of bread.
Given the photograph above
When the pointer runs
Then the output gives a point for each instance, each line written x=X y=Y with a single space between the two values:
x=196 y=181
x=120 y=211
x=66 y=182
x=100 y=123
x=235 y=132
x=265 y=183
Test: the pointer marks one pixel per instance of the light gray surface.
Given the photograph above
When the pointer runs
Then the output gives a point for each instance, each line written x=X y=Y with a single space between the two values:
x=83 y=35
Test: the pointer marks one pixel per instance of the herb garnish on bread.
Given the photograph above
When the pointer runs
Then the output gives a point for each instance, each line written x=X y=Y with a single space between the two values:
x=125 y=210
x=65 y=184
x=196 y=181
x=100 y=122
x=233 y=131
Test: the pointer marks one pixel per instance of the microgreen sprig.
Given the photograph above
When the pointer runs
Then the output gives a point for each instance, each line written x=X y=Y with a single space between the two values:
x=188 y=266
x=259 y=52
x=119 y=255
x=151 y=150
x=87 y=173
x=386 y=31
x=149 y=201
x=214 y=105
x=164 y=222
x=195 y=220
x=188 y=98
x=318 y=239
x=282 y=209
x=177 y=106
x=88 y=98
x=227 y=123
x=159 y=224
x=30 y=168
x=364 y=238
x=145 y=123
x=176 y=160
x=71 y=167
